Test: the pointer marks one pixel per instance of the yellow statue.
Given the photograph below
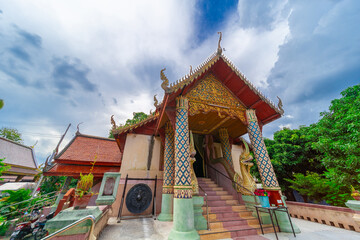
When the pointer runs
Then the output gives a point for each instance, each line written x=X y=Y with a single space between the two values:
x=194 y=181
x=245 y=179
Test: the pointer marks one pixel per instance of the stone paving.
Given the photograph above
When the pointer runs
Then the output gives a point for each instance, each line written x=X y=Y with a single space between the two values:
x=148 y=229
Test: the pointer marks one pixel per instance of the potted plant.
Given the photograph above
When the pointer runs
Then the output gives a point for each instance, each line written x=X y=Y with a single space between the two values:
x=83 y=191
x=263 y=197
x=355 y=194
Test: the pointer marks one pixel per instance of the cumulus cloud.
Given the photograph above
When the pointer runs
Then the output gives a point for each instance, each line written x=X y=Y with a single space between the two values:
x=76 y=64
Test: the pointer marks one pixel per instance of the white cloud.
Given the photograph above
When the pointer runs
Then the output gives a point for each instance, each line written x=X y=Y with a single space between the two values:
x=285 y=126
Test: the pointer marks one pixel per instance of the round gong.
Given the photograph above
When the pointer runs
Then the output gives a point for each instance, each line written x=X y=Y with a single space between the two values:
x=138 y=198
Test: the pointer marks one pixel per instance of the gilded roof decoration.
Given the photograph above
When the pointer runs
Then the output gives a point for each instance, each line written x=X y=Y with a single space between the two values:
x=165 y=83
x=123 y=129
x=156 y=103
x=211 y=95
x=280 y=105
x=219 y=50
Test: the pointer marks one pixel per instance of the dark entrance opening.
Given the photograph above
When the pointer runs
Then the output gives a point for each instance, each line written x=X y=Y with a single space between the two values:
x=199 y=167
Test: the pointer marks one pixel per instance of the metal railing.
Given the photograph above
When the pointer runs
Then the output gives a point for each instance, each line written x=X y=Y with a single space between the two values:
x=251 y=193
x=58 y=232
x=207 y=208
x=40 y=203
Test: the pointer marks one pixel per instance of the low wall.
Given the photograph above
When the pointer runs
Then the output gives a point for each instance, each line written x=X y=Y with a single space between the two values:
x=340 y=217
x=99 y=226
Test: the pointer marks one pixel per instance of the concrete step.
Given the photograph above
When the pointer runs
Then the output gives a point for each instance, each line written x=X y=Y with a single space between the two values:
x=218 y=203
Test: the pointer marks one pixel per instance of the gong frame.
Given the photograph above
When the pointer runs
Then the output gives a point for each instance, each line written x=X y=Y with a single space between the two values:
x=153 y=213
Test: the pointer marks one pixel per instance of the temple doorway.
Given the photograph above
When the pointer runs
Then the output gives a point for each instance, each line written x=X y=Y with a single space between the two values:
x=199 y=164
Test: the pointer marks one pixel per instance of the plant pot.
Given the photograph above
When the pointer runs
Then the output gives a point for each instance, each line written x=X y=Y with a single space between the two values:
x=356 y=197
x=81 y=203
x=264 y=201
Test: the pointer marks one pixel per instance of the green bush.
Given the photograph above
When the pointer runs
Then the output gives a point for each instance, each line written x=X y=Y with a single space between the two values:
x=318 y=187
x=4 y=225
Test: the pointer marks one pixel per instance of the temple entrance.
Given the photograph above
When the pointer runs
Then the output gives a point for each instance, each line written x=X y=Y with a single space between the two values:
x=199 y=164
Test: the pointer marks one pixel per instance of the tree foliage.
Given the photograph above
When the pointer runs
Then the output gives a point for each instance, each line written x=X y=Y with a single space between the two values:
x=339 y=135
x=322 y=161
x=3 y=167
x=11 y=134
x=54 y=183
x=1 y=103
x=137 y=117
x=291 y=152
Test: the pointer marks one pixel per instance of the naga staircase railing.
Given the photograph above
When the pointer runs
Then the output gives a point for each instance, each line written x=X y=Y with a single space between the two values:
x=207 y=208
x=237 y=194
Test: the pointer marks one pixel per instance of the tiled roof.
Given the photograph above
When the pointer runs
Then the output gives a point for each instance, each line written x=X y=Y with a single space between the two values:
x=84 y=148
x=139 y=124
x=72 y=170
x=17 y=154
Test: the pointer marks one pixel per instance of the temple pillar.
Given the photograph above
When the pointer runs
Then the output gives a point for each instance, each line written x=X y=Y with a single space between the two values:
x=266 y=169
x=183 y=227
x=168 y=182
x=225 y=145
x=263 y=162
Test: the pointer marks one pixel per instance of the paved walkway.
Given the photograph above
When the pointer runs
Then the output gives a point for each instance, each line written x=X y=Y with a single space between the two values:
x=148 y=229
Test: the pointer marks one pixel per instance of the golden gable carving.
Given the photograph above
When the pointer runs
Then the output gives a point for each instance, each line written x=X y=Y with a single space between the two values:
x=211 y=95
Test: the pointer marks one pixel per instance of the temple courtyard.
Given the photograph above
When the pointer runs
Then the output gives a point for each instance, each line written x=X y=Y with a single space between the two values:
x=149 y=229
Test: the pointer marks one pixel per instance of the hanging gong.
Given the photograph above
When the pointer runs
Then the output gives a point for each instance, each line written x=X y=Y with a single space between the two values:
x=138 y=198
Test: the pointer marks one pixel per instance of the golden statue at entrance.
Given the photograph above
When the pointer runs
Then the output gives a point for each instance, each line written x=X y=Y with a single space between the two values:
x=245 y=179
x=194 y=181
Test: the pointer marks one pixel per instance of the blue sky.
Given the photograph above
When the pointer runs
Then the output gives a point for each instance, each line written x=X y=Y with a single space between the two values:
x=82 y=61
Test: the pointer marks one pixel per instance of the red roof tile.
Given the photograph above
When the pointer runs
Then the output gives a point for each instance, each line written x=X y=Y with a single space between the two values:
x=83 y=149
x=72 y=170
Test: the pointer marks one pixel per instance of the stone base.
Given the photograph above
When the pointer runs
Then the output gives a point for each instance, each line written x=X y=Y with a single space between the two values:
x=68 y=216
x=183 y=227
x=354 y=205
x=199 y=220
x=192 y=235
x=166 y=214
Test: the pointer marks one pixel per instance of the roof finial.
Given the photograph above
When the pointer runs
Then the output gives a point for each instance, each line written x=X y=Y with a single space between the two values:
x=280 y=105
x=191 y=70
x=219 y=50
x=156 y=103
x=113 y=122
x=78 y=130
x=165 y=83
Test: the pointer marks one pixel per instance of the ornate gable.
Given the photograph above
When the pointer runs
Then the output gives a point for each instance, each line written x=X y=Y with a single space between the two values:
x=210 y=95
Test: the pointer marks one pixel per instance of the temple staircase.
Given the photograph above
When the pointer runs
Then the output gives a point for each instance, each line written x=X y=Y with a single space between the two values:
x=228 y=219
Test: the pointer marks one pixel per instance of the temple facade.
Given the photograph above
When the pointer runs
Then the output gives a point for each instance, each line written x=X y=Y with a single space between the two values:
x=195 y=133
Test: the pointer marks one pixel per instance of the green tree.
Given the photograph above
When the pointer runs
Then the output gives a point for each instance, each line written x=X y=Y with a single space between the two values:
x=291 y=152
x=11 y=134
x=137 y=117
x=339 y=134
x=54 y=183
x=1 y=103
x=3 y=167
x=318 y=187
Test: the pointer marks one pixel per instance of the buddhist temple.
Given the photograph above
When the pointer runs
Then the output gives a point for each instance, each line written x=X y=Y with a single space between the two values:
x=193 y=139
